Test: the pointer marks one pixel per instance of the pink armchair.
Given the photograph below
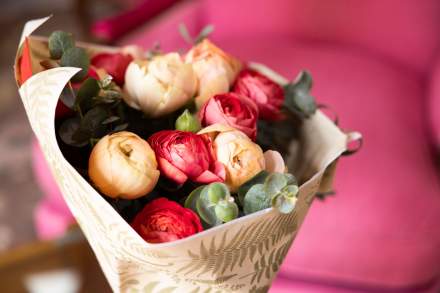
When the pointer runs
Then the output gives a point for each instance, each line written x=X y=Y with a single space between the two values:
x=375 y=63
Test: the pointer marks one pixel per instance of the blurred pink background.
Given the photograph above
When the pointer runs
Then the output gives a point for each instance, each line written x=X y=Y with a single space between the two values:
x=377 y=64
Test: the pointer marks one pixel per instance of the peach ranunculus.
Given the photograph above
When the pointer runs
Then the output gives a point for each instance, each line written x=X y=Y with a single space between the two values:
x=123 y=165
x=159 y=86
x=215 y=69
x=242 y=158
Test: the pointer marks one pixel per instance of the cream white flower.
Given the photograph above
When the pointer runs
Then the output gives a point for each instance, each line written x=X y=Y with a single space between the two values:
x=159 y=86
x=242 y=158
x=216 y=70
x=123 y=165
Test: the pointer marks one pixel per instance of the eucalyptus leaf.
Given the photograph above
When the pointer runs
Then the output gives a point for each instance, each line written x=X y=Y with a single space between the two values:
x=204 y=33
x=206 y=212
x=191 y=200
x=59 y=42
x=244 y=188
x=91 y=124
x=284 y=204
x=110 y=119
x=89 y=88
x=274 y=183
x=67 y=129
x=256 y=199
x=76 y=57
x=297 y=95
x=215 y=192
x=67 y=97
x=120 y=127
x=226 y=210
x=183 y=30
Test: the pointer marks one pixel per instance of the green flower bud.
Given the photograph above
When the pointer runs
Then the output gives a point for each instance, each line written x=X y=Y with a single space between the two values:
x=187 y=122
x=59 y=42
x=226 y=210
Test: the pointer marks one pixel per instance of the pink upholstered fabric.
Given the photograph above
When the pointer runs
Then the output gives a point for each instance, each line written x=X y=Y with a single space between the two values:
x=434 y=105
x=406 y=31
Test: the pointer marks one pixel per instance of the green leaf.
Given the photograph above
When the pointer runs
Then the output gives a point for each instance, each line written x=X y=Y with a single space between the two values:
x=68 y=97
x=206 y=212
x=120 y=127
x=214 y=192
x=284 y=203
x=91 y=124
x=67 y=130
x=274 y=183
x=89 y=89
x=255 y=200
x=106 y=82
x=204 y=33
x=244 y=188
x=76 y=57
x=187 y=122
x=183 y=30
x=226 y=210
x=191 y=200
x=297 y=95
x=291 y=180
x=59 y=42
x=110 y=119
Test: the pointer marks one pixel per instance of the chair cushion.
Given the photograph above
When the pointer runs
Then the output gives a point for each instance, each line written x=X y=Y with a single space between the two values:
x=381 y=227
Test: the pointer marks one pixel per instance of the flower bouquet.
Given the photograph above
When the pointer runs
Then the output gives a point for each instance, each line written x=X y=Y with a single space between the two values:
x=186 y=172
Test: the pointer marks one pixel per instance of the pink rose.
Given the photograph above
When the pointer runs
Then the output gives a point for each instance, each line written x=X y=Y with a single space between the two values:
x=183 y=155
x=231 y=109
x=268 y=95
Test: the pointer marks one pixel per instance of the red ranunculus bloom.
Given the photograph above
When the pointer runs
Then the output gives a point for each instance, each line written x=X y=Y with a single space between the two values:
x=268 y=95
x=183 y=155
x=114 y=63
x=231 y=109
x=163 y=220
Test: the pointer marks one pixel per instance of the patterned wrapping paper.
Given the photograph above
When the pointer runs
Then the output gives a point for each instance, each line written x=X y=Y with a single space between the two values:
x=240 y=256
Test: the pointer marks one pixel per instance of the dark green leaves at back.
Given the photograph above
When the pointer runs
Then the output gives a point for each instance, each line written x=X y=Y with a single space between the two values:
x=297 y=95
x=76 y=57
x=60 y=42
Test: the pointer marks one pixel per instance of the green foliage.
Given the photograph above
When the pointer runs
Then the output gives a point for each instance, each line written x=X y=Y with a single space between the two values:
x=278 y=190
x=59 y=42
x=99 y=111
x=297 y=95
x=213 y=203
x=203 y=34
x=188 y=122
x=76 y=57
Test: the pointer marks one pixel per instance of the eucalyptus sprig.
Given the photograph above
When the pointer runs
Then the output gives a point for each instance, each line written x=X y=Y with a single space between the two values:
x=213 y=203
x=264 y=190
x=62 y=47
x=203 y=34
x=99 y=111
x=297 y=95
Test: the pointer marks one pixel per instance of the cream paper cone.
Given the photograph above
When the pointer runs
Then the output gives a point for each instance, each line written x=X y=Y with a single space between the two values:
x=240 y=256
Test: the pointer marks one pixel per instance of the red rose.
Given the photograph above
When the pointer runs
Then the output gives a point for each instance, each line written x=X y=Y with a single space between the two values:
x=115 y=64
x=231 y=109
x=163 y=220
x=183 y=155
x=268 y=95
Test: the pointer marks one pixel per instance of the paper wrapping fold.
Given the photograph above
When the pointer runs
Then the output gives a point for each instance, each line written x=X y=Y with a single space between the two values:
x=240 y=256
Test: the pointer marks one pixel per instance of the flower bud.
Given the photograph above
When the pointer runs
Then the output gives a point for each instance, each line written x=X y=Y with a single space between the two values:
x=242 y=158
x=215 y=69
x=123 y=165
x=187 y=122
x=159 y=86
